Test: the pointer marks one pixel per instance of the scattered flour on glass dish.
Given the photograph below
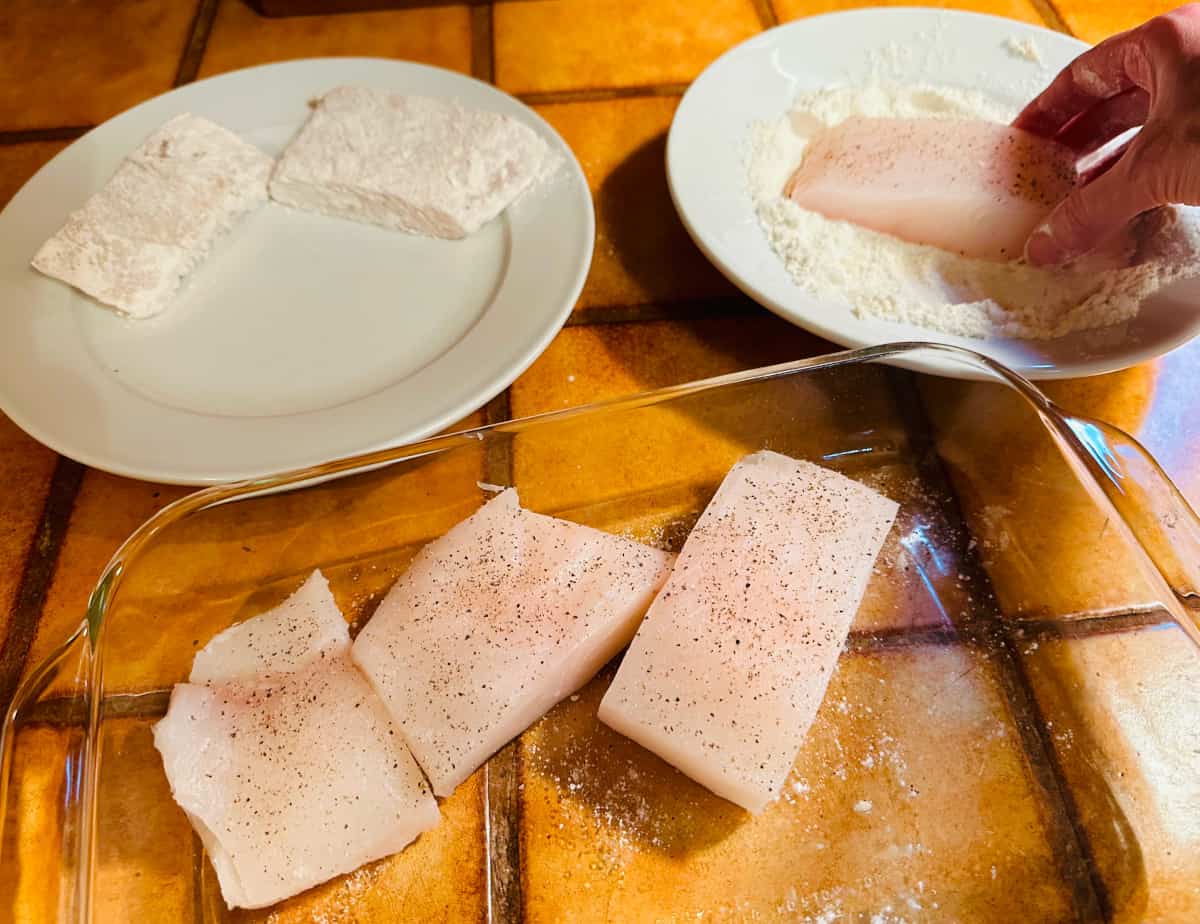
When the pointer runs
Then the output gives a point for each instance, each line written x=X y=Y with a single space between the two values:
x=877 y=275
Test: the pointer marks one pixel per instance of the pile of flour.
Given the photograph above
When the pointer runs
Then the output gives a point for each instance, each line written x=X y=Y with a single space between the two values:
x=878 y=275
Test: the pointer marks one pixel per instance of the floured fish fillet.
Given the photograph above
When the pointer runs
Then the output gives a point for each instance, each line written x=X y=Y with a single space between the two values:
x=733 y=658
x=494 y=623
x=283 y=757
x=969 y=186
x=136 y=240
x=411 y=163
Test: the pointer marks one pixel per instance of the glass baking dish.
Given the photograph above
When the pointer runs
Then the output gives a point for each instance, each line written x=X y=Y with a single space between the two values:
x=1011 y=733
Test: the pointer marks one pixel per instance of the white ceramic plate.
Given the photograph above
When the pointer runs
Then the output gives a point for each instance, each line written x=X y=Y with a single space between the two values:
x=303 y=338
x=759 y=79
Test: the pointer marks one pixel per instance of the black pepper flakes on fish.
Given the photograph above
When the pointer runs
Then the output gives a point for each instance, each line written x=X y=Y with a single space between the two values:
x=494 y=623
x=805 y=539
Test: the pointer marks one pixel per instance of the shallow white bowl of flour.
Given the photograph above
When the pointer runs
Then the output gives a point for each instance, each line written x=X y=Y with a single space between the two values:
x=721 y=156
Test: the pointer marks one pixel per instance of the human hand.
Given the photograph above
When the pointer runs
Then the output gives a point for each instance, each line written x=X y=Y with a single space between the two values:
x=1148 y=76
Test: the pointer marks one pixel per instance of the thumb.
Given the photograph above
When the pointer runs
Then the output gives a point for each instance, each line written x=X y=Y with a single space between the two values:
x=1091 y=213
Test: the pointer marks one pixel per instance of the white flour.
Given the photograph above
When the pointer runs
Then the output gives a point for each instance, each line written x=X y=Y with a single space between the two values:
x=1026 y=49
x=878 y=275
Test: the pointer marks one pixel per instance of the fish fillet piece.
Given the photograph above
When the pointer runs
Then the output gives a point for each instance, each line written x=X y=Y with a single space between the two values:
x=285 y=761
x=970 y=186
x=410 y=163
x=732 y=660
x=494 y=623
x=134 y=242
x=306 y=627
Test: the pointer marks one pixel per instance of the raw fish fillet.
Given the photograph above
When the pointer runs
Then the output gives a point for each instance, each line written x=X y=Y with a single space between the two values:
x=283 y=757
x=973 y=187
x=732 y=660
x=306 y=627
x=497 y=621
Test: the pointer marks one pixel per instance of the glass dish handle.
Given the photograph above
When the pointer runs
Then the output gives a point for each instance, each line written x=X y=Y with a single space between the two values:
x=1158 y=517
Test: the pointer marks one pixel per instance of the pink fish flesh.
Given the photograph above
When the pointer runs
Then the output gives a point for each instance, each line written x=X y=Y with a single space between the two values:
x=969 y=186
x=494 y=623
x=732 y=660
x=283 y=757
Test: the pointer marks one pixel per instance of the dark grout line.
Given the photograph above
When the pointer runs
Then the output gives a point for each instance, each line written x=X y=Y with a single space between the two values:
x=683 y=310
x=868 y=641
x=62 y=711
x=766 y=13
x=483 y=46
x=40 y=563
x=499 y=408
x=503 y=779
x=58 y=712
x=295 y=9
x=1085 y=626
x=505 y=902
x=193 y=50
x=600 y=94
x=929 y=469
x=1051 y=16
x=1071 y=844
x=197 y=877
x=73 y=711
x=497 y=462
x=152 y=704
x=31 y=135
x=993 y=637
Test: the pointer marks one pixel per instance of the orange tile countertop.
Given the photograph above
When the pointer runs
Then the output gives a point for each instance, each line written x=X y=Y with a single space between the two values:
x=608 y=75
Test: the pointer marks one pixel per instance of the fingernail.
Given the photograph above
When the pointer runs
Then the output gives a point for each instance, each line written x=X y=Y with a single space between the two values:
x=1043 y=249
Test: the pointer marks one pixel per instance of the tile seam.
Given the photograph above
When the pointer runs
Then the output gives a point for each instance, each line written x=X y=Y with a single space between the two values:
x=41 y=561
x=34 y=135
x=765 y=11
x=993 y=636
x=1089 y=892
x=505 y=897
x=497 y=460
x=1132 y=619
x=62 y=711
x=197 y=878
x=600 y=94
x=684 y=309
x=197 y=42
x=483 y=43
x=1051 y=16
